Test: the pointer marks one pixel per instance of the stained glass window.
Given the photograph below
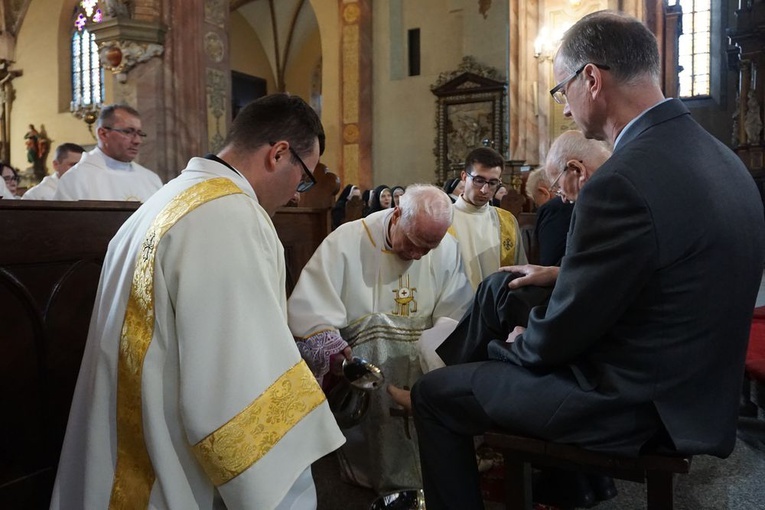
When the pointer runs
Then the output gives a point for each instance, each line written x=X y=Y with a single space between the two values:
x=87 y=74
x=695 y=47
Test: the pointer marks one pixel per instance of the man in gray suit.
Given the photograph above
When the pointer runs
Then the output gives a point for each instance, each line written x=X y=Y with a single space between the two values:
x=642 y=342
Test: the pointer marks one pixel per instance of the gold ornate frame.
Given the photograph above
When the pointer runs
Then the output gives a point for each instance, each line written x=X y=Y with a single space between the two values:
x=470 y=112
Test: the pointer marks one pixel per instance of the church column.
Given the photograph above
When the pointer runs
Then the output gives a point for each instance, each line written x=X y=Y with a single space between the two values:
x=356 y=93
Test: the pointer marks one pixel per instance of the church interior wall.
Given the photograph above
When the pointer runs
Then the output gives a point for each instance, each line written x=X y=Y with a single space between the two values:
x=404 y=107
x=328 y=19
x=43 y=92
x=403 y=117
x=304 y=56
x=247 y=53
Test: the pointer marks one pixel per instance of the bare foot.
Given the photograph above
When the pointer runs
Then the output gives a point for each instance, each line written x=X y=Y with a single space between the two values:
x=401 y=397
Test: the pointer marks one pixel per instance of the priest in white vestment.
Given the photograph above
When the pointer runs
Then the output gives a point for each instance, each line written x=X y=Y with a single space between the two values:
x=192 y=393
x=108 y=172
x=376 y=285
x=489 y=237
x=66 y=156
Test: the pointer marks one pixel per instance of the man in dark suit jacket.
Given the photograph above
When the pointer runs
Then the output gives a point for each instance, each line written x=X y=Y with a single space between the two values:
x=643 y=340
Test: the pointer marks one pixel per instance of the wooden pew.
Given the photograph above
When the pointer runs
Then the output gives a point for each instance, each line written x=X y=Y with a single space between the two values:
x=50 y=262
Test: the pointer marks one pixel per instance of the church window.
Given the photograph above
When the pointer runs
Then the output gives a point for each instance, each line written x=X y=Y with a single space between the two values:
x=87 y=73
x=695 y=48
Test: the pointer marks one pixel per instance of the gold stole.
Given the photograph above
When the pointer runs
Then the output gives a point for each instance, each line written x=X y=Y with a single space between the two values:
x=225 y=453
x=507 y=237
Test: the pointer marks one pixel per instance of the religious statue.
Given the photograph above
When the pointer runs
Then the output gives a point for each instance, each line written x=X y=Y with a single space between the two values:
x=118 y=8
x=38 y=147
x=31 y=138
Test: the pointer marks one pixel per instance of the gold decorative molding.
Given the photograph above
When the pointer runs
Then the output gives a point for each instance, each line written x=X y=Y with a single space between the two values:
x=120 y=56
x=216 y=86
x=351 y=13
x=214 y=47
x=215 y=13
x=123 y=43
x=468 y=65
x=351 y=133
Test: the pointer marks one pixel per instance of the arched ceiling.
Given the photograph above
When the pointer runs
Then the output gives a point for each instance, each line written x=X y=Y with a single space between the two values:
x=281 y=25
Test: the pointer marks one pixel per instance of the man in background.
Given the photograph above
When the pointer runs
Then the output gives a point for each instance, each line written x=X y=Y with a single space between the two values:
x=538 y=187
x=489 y=237
x=109 y=171
x=192 y=393
x=66 y=156
x=570 y=162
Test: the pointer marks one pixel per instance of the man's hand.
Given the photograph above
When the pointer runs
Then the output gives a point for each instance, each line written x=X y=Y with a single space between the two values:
x=400 y=396
x=336 y=360
x=514 y=334
x=540 y=276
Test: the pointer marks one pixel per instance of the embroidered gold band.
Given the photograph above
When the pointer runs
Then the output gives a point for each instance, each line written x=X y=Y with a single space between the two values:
x=133 y=473
x=251 y=434
x=507 y=240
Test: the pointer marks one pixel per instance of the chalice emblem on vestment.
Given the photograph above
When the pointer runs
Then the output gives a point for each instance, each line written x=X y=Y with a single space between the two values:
x=404 y=297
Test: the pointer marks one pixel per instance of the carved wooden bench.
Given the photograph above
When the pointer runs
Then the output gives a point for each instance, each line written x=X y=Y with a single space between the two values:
x=656 y=471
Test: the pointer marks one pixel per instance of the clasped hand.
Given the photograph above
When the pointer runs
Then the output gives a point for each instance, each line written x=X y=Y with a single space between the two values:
x=529 y=274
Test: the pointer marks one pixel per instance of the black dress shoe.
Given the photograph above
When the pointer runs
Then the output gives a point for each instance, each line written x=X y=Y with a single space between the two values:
x=563 y=489
x=603 y=486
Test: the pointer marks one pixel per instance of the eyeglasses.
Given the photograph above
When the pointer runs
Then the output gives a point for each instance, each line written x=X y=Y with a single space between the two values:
x=10 y=178
x=555 y=189
x=479 y=182
x=308 y=179
x=129 y=132
x=557 y=92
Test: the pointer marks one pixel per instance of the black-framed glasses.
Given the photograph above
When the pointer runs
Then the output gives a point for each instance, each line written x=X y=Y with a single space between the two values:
x=479 y=182
x=129 y=132
x=308 y=179
x=557 y=92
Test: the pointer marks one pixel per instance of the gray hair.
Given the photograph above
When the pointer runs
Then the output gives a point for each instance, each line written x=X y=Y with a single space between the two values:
x=614 y=39
x=425 y=200
x=573 y=145
x=537 y=178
